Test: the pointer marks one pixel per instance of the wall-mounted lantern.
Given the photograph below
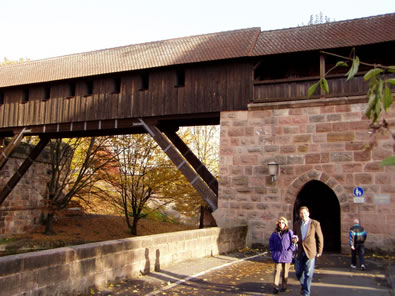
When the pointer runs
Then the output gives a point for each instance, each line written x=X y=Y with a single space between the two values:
x=273 y=170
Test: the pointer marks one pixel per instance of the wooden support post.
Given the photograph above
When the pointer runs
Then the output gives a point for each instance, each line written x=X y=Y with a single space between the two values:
x=6 y=152
x=22 y=169
x=322 y=72
x=207 y=194
x=199 y=167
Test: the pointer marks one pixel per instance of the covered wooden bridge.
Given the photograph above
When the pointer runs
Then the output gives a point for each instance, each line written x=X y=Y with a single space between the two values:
x=157 y=87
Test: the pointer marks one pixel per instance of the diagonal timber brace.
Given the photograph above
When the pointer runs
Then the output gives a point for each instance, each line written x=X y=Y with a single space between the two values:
x=207 y=194
x=199 y=167
x=6 y=152
x=6 y=190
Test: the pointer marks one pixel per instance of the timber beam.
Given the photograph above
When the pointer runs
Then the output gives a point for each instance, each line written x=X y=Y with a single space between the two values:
x=6 y=152
x=193 y=160
x=181 y=163
x=23 y=168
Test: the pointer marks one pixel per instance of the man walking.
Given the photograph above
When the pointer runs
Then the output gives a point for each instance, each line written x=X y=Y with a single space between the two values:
x=357 y=239
x=310 y=245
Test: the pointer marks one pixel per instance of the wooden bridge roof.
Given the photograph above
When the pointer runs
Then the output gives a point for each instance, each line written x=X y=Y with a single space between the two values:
x=356 y=32
x=202 y=48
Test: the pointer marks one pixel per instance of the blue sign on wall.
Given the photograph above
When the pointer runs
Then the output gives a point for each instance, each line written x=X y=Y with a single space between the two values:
x=358 y=191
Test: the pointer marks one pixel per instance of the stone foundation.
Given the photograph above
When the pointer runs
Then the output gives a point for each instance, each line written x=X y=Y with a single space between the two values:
x=21 y=210
x=311 y=140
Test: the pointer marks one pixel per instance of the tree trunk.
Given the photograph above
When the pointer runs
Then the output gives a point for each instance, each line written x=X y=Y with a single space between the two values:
x=49 y=224
x=133 y=230
x=127 y=218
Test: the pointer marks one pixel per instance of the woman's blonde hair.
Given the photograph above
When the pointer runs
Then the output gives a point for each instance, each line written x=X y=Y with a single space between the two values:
x=285 y=222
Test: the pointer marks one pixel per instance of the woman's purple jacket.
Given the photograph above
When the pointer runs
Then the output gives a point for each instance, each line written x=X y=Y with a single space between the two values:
x=282 y=247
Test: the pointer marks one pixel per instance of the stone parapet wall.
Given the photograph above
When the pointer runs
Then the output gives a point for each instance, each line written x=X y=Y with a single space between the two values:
x=21 y=210
x=310 y=141
x=72 y=270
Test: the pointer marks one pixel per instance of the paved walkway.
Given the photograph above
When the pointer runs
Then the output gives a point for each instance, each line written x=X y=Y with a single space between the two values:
x=251 y=273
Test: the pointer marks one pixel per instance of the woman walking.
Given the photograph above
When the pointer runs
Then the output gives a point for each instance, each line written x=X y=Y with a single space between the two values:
x=282 y=244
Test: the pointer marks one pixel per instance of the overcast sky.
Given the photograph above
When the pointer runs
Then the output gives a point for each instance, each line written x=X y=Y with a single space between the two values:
x=39 y=29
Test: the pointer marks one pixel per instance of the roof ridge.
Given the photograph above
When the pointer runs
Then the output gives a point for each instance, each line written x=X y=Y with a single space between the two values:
x=135 y=44
x=332 y=23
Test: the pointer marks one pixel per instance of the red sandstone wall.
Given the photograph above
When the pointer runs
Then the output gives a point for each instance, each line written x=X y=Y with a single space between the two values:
x=324 y=143
x=21 y=210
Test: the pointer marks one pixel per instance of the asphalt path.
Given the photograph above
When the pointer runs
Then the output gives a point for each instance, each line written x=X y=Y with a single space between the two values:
x=250 y=272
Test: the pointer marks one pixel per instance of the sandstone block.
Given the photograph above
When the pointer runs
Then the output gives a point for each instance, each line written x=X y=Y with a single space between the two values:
x=355 y=146
x=343 y=108
x=373 y=167
x=340 y=156
x=10 y=265
x=302 y=148
x=46 y=258
x=296 y=111
x=334 y=117
x=302 y=119
x=51 y=275
x=285 y=120
x=10 y=285
x=272 y=148
x=352 y=168
x=291 y=130
x=335 y=146
x=364 y=155
x=359 y=125
x=317 y=118
x=239 y=180
x=302 y=138
x=380 y=154
x=363 y=178
x=313 y=158
x=301 y=169
x=295 y=159
x=236 y=132
x=327 y=109
x=340 y=137
x=323 y=127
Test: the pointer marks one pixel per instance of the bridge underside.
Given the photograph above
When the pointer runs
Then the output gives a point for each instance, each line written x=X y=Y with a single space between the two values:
x=111 y=127
x=184 y=159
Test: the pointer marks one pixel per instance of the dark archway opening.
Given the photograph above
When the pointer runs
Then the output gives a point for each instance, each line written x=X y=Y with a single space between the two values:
x=324 y=207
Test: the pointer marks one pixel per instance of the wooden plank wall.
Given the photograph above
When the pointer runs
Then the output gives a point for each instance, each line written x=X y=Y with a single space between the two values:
x=210 y=87
x=292 y=89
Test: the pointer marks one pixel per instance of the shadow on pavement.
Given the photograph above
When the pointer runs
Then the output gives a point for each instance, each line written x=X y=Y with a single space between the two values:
x=252 y=274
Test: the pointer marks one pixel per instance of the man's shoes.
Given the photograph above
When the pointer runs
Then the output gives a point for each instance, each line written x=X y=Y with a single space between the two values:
x=363 y=267
x=353 y=266
x=283 y=289
x=275 y=291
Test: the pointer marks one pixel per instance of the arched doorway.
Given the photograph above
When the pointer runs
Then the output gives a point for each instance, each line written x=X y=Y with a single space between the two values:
x=324 y=207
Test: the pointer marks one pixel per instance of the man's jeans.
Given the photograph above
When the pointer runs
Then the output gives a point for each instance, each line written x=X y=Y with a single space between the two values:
x=360 y=251
x=304 y=269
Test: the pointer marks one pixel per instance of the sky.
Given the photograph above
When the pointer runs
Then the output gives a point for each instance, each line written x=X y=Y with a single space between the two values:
x=38 y=29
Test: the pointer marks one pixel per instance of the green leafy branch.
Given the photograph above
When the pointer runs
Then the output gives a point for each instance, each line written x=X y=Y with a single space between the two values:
x=379 y=92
